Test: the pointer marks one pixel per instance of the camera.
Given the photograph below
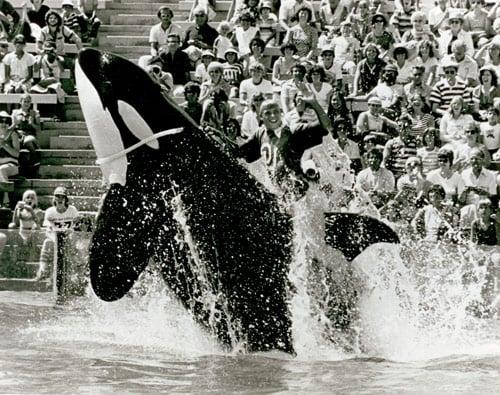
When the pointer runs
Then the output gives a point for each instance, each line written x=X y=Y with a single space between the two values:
x=156 y=69
x=310 y=170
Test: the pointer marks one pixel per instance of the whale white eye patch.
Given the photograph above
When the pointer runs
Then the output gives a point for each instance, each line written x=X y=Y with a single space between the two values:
x=136 y=124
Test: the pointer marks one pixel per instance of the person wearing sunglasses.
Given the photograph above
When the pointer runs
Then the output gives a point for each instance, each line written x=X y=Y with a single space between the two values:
x=448 y=88
x=455 y=32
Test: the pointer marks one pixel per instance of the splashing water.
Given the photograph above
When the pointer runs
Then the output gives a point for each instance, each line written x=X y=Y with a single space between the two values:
x=408 y=302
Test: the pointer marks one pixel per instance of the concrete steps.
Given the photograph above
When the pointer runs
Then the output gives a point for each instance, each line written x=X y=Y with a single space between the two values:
x=67 y=156
x=112 y=40
x=71 y=142
x=21 y=284
x=82 y=187
x=70 y=172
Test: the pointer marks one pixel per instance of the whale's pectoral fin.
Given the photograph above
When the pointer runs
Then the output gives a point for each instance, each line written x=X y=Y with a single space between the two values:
x=353 y=233
x=121 y=244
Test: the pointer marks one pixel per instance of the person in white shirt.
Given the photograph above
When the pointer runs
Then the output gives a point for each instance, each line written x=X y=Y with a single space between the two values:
x=59 y=219
x=159 y=33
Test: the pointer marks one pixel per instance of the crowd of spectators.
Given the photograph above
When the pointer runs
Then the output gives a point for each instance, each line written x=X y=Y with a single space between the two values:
x=422 y=154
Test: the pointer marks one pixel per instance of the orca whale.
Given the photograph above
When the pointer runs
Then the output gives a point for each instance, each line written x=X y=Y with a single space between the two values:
x=223 y=242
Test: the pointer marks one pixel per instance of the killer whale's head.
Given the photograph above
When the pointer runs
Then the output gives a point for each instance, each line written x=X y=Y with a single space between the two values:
x=123 y=108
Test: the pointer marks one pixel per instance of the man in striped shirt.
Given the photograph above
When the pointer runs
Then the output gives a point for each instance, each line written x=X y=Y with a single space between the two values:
x=447 y=88
x=399 y=149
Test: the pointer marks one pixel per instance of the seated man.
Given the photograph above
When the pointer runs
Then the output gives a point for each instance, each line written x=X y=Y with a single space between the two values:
x=175 y=61
x=160 y=33
x=255 y=84
x=375 y=180
x=201 y=34
x=467 y=67
x=18 y=68
x=478 y=179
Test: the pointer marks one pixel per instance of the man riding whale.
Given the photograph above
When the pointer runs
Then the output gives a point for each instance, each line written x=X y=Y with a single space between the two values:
x=223 y=242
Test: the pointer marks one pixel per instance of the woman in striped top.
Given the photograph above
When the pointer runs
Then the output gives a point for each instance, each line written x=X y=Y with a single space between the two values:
x=428 y=154
x=421 y=120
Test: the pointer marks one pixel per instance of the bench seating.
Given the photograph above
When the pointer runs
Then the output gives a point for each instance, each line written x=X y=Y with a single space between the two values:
x=54 y=4
x=37 y=98
x=33 y=49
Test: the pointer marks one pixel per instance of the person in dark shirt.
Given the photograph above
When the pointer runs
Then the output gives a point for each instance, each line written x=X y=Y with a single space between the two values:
x=282 y=147
x=37 y=13
x=201 y=34
x=175 y=61
x=484 y=227
x=192 y=106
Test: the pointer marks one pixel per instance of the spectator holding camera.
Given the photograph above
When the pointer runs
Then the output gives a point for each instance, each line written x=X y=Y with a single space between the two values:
x=27 y=216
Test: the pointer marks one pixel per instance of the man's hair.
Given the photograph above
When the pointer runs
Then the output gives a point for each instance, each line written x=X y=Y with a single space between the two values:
x=164 y=8
x=174 y=35
x=192 y=87
x=376 y=152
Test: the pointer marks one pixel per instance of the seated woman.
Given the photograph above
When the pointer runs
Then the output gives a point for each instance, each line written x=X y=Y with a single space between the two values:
x=487 y=92
x=282 y=68
x=337 y=109
x=421 y=119
x=372 y=122
x=322 y=90
x=26 y=122
x=368 y=71
x=215 y=82
x=428 y=154
x=303 y=35
x=453 y=122
x=484 y=226
x=9 y=152
x=404 y=65
x=27 y=216
x=463 y=149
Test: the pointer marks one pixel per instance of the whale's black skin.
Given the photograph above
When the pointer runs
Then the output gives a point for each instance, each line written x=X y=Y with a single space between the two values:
x=241 y=235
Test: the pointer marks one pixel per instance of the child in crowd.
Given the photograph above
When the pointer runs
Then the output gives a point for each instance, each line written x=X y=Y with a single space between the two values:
x=233 y=71
x=223 y=41
x=201 y=72
x=59 y=219
x=192 y=105
x=165 y=80
x=490 y=130
x=88 y=9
